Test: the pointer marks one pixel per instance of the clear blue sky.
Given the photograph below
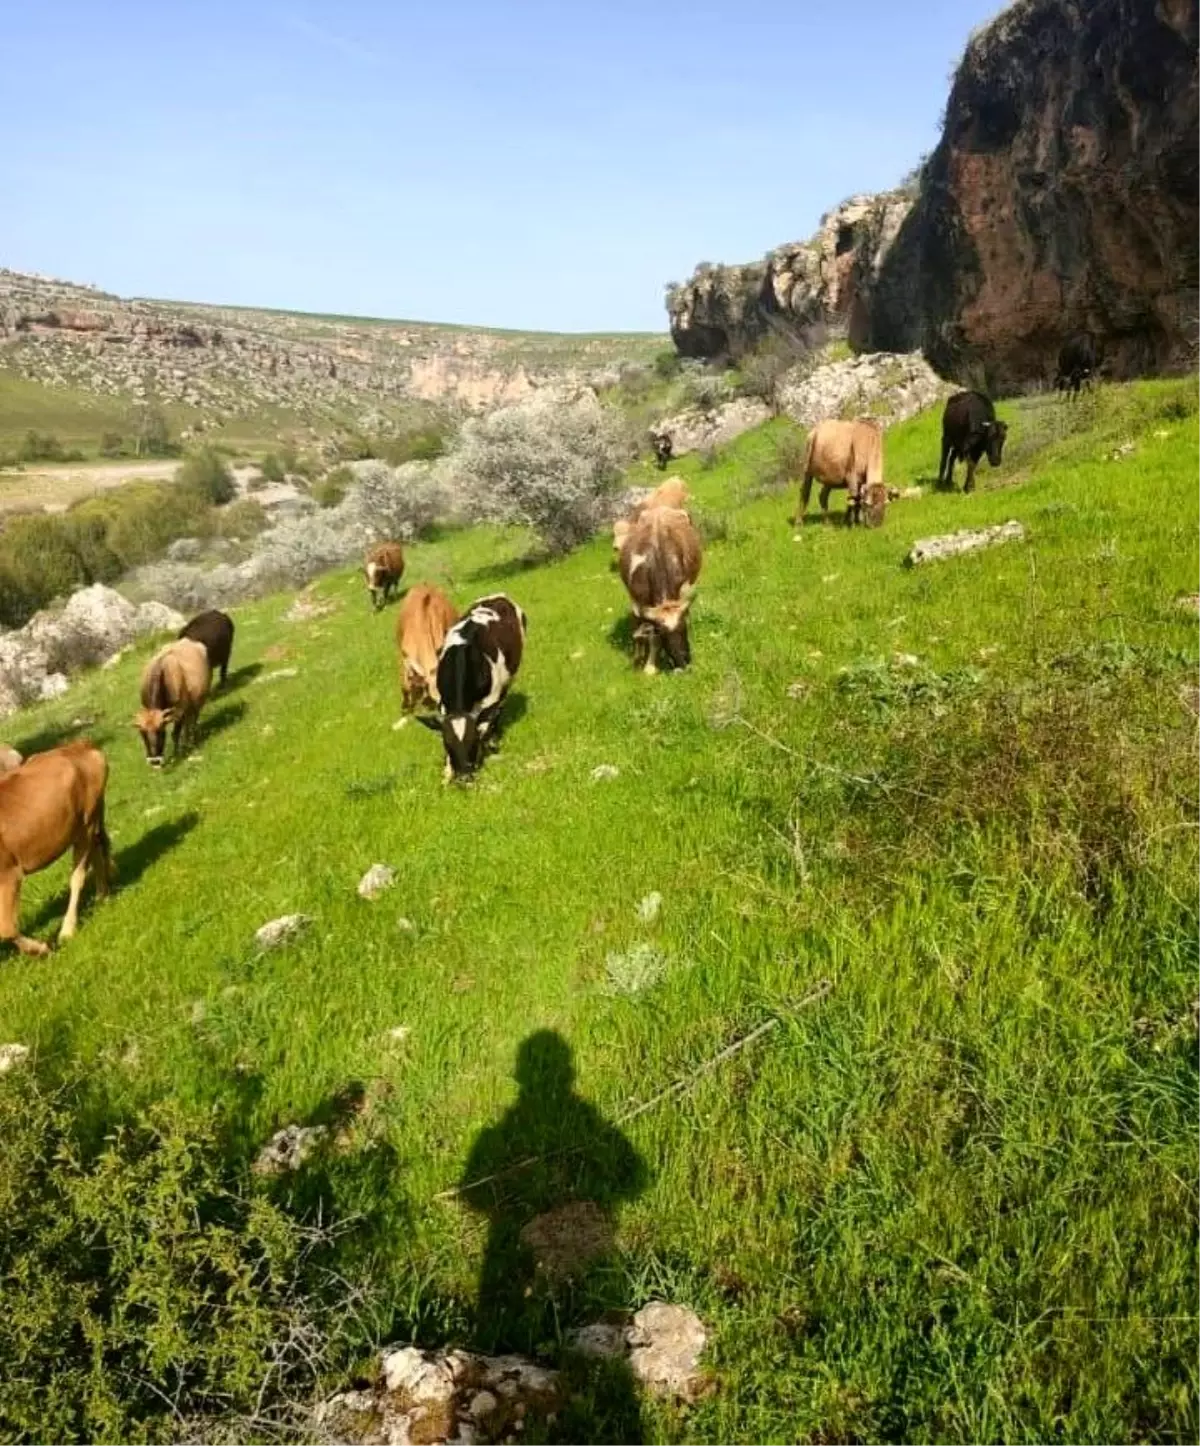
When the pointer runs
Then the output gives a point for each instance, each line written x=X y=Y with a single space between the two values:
x=496 y=162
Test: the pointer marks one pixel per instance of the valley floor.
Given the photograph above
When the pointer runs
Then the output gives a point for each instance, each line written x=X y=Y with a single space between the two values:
x=952 y=1199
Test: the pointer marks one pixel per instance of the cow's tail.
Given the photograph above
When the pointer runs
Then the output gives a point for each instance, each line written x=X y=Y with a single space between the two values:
x=809 y=449
x=875 y=463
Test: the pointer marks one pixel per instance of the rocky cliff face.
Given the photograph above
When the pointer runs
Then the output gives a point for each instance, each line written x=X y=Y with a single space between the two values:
x=1062 y=195
x=830 y=282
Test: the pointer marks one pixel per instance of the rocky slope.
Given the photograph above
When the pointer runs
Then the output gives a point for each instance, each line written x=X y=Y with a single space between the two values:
x=1062 y=195
x=831 y=281
x=226 y=360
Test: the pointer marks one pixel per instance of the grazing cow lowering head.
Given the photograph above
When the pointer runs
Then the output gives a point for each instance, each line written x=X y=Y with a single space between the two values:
x=845 y=454
x=478 y=661
x=663 y=448
x=175 y=684
x=384 y=567
x=660 y=562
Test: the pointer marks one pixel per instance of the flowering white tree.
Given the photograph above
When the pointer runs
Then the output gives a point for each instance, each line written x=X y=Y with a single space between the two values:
x=548 y=463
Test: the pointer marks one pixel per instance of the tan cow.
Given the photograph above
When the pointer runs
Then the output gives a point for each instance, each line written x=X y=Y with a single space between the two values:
x=54 y=800
x=384 y=567
x=671 y=493
x=660 y=562
x=175 y=684
x=426 y=615
x=850 y=455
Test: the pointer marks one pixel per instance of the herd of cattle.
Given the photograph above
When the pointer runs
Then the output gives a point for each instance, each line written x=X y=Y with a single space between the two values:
x=461 y=665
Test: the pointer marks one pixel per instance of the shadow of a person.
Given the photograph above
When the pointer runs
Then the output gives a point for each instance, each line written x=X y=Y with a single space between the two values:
x=549 y=1177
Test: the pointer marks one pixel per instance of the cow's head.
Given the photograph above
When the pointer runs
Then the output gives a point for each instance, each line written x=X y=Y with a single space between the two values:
x=152 y=724
x=463 y=738
x=994 y=434
x=874 y=504
x=671 y=621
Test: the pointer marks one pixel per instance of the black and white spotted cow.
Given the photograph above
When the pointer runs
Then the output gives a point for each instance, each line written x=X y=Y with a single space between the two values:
x=478 y=660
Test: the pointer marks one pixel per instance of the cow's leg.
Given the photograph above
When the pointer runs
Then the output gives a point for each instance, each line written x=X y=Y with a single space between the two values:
x=652 y=650
x=969 y=485
x=103 y=866
x=946 y=467
x=640 y=643
x=82 y=856
x=805 y=494
x=825 y=491
x=10 y=905
x=177 y=734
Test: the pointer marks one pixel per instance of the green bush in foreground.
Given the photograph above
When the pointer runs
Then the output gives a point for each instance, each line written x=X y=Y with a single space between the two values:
x=143 y=1284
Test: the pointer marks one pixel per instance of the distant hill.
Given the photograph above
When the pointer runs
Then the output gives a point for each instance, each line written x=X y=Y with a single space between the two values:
x=224 y=361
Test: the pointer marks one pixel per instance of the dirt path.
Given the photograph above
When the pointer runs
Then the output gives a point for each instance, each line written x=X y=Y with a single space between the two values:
x=54 y=488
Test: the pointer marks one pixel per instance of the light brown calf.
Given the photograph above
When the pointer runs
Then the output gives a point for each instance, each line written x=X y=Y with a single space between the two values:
x=175 y=684
x=384 y=567
x=850 y=455
x=425 y=617
x=54 y=800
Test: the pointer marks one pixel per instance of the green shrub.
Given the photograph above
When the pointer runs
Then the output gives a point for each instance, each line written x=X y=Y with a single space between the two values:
x=272 y=469
x=37 y=563
x=331 y=488
x=145 y=1282
x=243 y=518
x=112 y=444
x=41 y=447
x=666 y=364
x=207 y=472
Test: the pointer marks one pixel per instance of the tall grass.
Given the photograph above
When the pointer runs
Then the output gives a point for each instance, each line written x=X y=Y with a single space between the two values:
x=955 y=1199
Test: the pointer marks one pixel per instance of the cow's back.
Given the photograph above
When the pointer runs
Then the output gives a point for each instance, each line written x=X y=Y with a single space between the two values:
x=43 y=802
x=426 y=615
x=661 y=554
x=177 y=676
x=214 y=631
x=965 y=414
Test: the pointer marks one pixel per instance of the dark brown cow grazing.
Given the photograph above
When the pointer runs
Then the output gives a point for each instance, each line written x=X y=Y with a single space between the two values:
x=478 y=661
x=175 y=685
x=215 y=631
x=426 y=615
x=664 y=449
x=55 y=800
x=850 y=455
x=660 y=562
x=384 y=567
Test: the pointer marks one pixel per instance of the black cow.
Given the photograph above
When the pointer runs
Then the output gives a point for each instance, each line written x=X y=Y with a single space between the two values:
x=478 y=660
x=1076 y=364
x=663 y=449
x=215 y=631
x=969 y=429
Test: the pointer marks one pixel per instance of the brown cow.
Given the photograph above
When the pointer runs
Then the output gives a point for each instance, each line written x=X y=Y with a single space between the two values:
x=426 y=615
x=850 y=455
x=175 y=684
x=53 y=800
x=660 y=562
x=384 y=567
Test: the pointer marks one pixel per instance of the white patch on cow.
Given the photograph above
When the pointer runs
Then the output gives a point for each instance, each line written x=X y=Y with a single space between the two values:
x=637 y=560
x=371 y=574
x=454 y=638
x=500 y=680
x=483 y=615
x=458 y=726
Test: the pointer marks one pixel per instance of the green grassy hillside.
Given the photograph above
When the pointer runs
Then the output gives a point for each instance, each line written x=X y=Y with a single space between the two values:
x=955 y=1198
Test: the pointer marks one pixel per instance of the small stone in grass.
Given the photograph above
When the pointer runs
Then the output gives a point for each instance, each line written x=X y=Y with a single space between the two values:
x=278 y=931
x=604 y=771
x=649 y=907
x=12 y=1055
x=398 y=1033
x=377 y=878
x=406 y=926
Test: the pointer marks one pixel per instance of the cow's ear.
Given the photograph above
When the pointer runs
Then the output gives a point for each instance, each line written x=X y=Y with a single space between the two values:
x=430 y=721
